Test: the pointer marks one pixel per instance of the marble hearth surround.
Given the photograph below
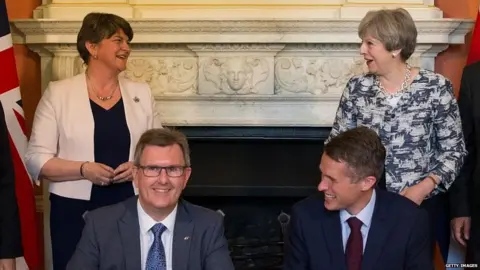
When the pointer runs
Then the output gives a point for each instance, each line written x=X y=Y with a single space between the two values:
x=248 y=63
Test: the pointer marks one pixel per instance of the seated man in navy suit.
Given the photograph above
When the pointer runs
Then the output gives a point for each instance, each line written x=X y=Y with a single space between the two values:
x=351 y=224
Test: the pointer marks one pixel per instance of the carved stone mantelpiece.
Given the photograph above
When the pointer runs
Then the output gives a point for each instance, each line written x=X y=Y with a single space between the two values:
x=269 y=72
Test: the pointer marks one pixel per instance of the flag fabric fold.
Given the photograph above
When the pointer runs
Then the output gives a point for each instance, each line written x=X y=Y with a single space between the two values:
x=14 y=117
x=474 y=52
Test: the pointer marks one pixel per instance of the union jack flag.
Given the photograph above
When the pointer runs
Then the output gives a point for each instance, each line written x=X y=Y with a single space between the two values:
x=12 y=106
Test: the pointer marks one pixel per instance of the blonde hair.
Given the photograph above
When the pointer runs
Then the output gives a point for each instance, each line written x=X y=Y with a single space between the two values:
x=395 y=28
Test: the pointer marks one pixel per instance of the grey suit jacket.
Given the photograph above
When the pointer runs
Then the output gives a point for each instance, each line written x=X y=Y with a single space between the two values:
x=111 y=239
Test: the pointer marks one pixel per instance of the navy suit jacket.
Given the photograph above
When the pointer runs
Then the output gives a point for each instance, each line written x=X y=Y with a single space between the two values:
x=10 y=237
x=398 y=237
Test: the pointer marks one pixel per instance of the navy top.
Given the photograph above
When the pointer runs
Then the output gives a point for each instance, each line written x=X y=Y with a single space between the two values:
x=112 y=148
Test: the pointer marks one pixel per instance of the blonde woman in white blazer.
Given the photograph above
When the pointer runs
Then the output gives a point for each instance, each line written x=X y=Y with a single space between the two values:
x=85 y=131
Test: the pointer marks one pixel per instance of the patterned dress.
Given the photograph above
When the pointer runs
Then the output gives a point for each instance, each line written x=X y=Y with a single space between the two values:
x=419 y=127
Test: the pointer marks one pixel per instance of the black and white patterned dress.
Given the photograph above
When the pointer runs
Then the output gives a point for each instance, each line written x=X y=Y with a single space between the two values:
x=420 y=127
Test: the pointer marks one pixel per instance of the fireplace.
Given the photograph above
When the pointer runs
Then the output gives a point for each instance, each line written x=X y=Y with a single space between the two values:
x=252 y=176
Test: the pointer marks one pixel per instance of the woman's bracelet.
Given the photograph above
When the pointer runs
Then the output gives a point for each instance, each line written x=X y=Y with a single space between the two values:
x=435 y=183
x=81 y=168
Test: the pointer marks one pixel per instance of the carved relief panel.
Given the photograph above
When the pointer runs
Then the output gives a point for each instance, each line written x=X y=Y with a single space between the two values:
x=319 y=75
x=235 y=75
x=314 y=75
x=165 y=75
x=236 y=69
x=244 y=73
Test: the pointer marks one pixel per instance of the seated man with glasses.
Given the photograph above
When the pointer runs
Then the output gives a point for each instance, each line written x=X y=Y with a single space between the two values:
x=156 y=229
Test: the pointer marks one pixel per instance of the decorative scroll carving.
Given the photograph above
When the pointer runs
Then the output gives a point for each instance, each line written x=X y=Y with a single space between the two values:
x=234 y=75
x=290 y=76
x=319 y=75
x=166 y=75
x=314 y=75
x=141 y=70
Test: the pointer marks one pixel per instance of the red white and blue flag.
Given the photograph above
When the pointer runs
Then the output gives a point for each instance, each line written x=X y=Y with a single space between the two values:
x=12 y=106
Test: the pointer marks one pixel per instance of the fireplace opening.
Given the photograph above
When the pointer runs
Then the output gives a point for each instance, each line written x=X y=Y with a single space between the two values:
x=253 y=176
x=255 y=228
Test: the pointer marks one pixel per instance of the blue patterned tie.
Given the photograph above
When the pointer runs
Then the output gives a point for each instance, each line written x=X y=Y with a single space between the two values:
x=156 y=255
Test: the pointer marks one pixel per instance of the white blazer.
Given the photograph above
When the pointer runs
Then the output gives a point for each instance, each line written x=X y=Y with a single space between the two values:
x=63 y=127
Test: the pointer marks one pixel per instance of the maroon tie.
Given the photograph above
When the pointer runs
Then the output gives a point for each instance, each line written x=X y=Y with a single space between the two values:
x=354 y=249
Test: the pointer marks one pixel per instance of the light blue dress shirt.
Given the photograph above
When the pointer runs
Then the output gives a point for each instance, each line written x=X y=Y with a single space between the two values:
x=365 y=216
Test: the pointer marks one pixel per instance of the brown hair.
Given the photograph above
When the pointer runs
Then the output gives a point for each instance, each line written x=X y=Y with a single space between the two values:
x=97 y=27
x=162 y=137
x=395 y=28
x=361 y=149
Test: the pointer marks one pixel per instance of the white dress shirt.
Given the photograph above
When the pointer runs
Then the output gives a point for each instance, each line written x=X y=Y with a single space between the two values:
x=146 y=236
x=365 y=216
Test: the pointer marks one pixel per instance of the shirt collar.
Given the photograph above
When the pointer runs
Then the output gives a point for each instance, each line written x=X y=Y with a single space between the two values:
x=365 y=215
x=146 y=222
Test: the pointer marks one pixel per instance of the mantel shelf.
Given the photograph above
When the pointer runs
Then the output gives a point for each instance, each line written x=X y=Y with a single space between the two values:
x=53 y=31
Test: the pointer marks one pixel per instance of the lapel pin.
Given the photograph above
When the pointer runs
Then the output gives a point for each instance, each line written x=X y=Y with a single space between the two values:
x=136 y=99
x=186 y=238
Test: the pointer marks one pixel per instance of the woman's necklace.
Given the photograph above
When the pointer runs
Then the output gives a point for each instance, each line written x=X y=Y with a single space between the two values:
x=96 y=93
x=404 y=86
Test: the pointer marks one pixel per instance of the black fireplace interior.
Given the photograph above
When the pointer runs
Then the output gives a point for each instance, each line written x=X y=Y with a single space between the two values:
x=253 y=175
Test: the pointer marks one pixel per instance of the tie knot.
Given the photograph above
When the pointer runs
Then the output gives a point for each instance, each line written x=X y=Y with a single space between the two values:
x=354 y=223
x=158 y=229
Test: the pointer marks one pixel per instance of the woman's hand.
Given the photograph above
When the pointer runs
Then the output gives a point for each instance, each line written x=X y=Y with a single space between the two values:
x=98 y=173
x=124 y=172
x=418 y=192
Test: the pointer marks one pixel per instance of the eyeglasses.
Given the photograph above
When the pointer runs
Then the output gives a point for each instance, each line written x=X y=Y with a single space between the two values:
x=155 y=171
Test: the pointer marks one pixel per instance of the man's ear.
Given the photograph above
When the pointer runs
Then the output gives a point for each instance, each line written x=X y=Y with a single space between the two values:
x=135 y=175
x=188 y=172
x=368 y=182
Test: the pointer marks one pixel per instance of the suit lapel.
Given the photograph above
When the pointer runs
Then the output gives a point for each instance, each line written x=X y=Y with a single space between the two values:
x=130 y=235
x=378 y=232
x=182 y=237
x=333 y=236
